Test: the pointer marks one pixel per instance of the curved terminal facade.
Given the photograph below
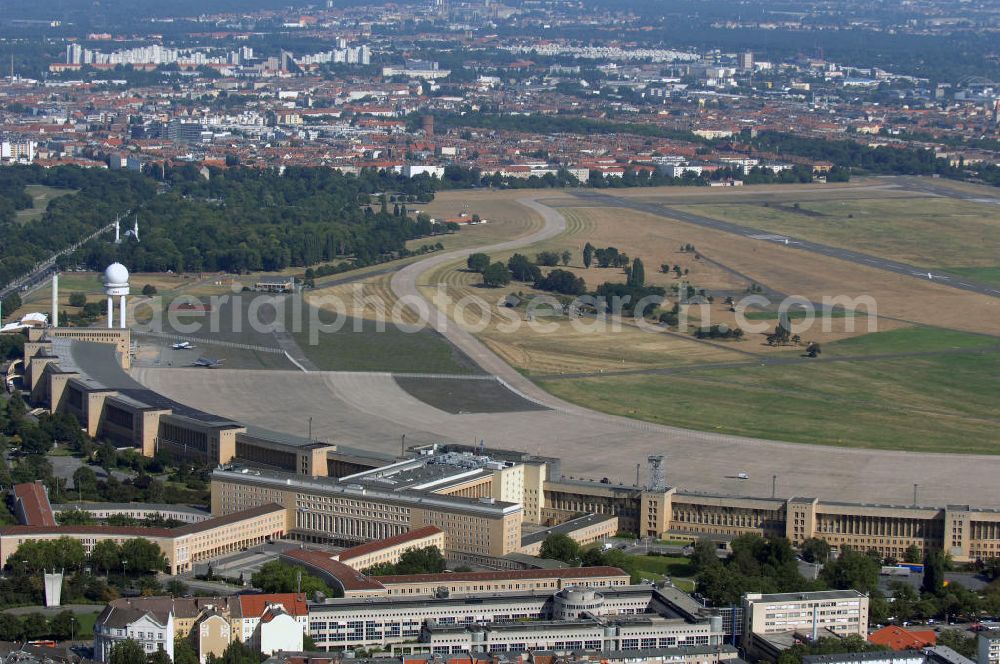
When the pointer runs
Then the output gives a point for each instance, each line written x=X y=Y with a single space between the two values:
x=481 y=499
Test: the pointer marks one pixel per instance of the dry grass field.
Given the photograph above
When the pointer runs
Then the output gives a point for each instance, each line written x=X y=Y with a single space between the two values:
x=930 y=358
x=814 y=277
x=554 y=345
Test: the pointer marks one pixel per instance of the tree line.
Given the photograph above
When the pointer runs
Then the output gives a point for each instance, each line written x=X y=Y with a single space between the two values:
x=237 y=220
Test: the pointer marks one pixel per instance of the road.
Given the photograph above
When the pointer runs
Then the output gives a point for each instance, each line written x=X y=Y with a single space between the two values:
x=404 y=285
x=597 y=199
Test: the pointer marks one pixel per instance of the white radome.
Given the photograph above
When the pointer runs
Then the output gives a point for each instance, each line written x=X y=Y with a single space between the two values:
x=116 y=274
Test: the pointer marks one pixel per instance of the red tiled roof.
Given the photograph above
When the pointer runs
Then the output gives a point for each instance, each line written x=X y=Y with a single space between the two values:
x=347 y=577
x=254 y=605
x=125 y=531
x=513 y=575
x=34 y=504
x=138 y=531
x=395 y=540
x=898 y=638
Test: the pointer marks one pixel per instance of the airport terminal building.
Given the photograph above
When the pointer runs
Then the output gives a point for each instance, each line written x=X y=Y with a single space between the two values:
x=481 y=498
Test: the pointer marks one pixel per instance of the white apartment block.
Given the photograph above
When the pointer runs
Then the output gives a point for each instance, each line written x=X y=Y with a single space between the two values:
x=988 y=651
x=826 y=612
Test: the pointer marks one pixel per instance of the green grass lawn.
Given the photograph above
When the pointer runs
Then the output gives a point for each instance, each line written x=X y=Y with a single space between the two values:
x=984 y=275
x=41 y=196
x=950 y=399
x=663 y=565
x=909 y=340
x=86 y=625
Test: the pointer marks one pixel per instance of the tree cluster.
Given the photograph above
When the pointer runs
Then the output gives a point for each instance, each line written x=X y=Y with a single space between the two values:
x=563 y=282
x=719 y=332
x=278 y=577
x=427 y=560
x=32 y=626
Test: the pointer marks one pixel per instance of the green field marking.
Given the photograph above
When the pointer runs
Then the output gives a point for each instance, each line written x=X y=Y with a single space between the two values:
x=85 y=626
x=663 y=565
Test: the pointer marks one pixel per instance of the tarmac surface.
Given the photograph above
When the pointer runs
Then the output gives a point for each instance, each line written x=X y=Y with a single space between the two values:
x=372 y=411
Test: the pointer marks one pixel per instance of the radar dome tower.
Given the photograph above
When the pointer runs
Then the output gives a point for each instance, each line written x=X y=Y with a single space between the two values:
x=116 y=285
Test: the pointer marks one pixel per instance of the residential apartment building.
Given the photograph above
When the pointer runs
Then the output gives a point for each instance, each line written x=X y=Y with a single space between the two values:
x=151 y=626
x=267 y=622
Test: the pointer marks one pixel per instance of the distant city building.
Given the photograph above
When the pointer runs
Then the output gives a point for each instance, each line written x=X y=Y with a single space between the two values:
x=416 y=69
x=18 y=151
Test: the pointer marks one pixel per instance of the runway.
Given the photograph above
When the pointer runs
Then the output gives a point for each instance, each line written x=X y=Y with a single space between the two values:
x=595 y=199
x=370 y=410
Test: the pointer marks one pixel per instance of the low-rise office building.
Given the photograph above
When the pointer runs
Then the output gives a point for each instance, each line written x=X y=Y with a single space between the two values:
x=338 y=511
x=583 y=530
x=400 y=620
x=139 y=511
x=633 y=633
x=388 y=551
x=182 y=547
x=685 y=655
